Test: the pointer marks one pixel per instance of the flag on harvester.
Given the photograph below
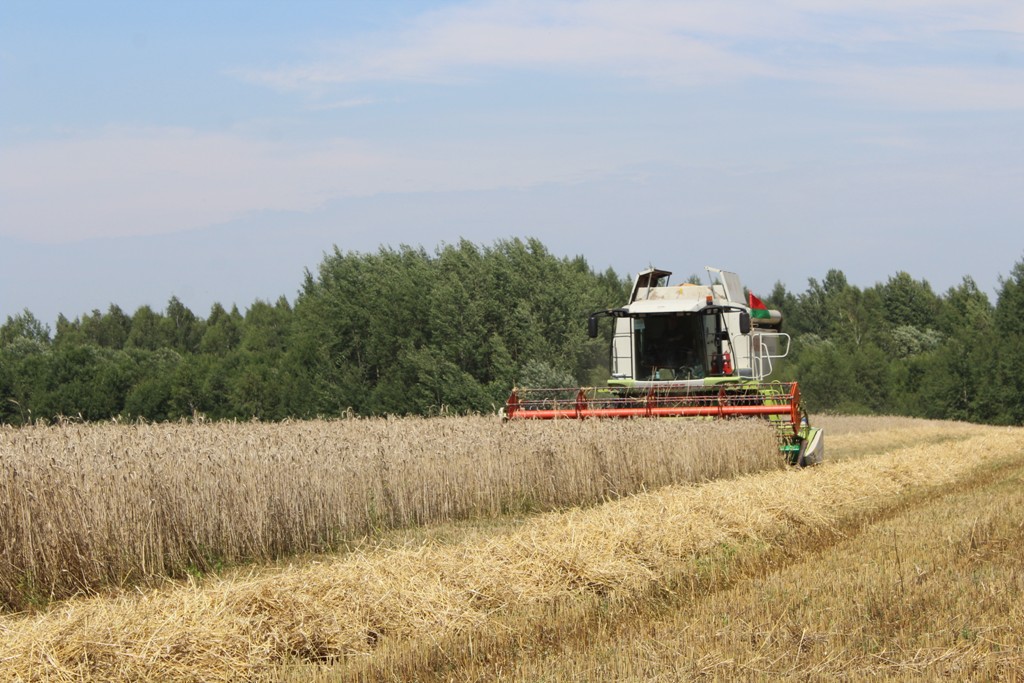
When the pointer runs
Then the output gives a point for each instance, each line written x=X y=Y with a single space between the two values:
x=757 y=308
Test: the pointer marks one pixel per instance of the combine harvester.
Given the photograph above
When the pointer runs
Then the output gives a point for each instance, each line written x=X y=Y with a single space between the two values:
x=687 y=351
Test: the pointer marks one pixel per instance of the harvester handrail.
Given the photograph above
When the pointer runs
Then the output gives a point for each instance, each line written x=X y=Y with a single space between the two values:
x=763 y=358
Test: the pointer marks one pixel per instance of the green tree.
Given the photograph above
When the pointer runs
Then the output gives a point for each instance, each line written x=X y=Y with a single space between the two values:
x=108 y=330
x=181 y=329
x=1004 y=396
x=405 y=331
x=23 y=325
x=909 y=302
x=75 y=381
x=147 y=330
x=23 y=361
x=223 y=331
x=818 y=311
x=151 y=394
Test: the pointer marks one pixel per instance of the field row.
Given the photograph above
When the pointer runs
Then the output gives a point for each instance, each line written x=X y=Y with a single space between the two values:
x=418 y=612
x=929 y=588
x=83 y=507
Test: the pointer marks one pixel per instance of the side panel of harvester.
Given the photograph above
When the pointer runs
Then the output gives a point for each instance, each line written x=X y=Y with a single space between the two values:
x=622 y=349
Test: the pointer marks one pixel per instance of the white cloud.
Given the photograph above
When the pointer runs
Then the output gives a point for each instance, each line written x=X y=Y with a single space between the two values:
x=350 y=103
x=936 y=88
x=893 y=51
x=139 y=181
x=153 y=180
x=654 y=40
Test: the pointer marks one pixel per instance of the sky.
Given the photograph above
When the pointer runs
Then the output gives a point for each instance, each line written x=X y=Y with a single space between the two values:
x=216 y=150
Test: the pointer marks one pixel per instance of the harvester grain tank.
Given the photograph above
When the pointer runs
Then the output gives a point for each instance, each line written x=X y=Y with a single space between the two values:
x=687 y=351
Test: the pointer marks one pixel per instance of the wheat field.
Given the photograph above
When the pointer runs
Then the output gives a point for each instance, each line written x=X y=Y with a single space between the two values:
x=903 y=563
x=89 y=506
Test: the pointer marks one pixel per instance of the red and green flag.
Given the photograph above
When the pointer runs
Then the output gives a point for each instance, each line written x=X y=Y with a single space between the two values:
x=757 y=308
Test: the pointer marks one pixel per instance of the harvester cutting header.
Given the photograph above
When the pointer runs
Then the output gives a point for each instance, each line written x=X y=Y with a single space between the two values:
x=687 y=351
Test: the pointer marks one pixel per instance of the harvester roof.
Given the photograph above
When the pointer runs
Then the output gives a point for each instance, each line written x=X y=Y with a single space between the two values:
x=686 y=298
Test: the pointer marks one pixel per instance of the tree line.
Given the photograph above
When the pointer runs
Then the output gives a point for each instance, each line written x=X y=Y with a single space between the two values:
x=901 y=348
x=404 y=331
x=393 y=332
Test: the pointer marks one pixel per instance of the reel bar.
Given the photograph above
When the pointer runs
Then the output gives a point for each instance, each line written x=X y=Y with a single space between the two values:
x=650 y=411
x=761 y=400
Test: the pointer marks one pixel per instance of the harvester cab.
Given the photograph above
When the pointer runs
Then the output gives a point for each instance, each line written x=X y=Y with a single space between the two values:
x=683 y=335
x=687 y=350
